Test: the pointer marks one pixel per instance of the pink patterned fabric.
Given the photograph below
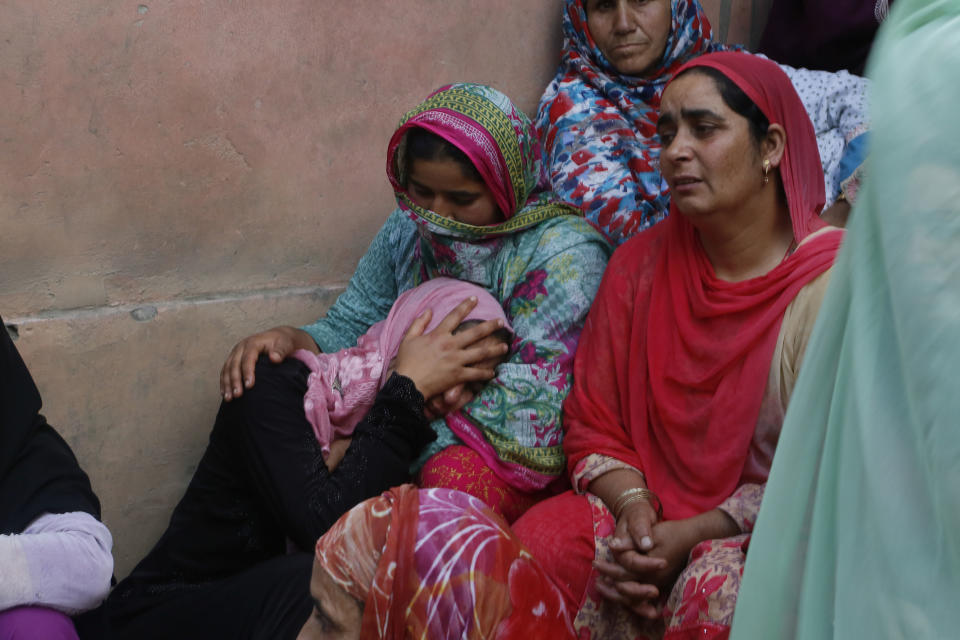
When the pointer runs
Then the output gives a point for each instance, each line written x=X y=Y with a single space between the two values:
x=700 y=604
x=744 y=505
x=522 y=478
x=341 y=386
x=595 y=465
x=437 y=563
x=702 y=600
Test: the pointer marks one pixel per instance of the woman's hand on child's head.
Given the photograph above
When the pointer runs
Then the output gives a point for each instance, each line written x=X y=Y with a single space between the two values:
x=442 y=359
x=278 y=343
x=457 y=396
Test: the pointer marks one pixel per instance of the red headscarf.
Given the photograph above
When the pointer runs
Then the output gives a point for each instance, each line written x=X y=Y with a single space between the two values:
x=673 y=362
x=438 y=563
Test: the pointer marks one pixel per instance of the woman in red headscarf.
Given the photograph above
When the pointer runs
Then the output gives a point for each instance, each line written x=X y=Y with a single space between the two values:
x=687 y=362
x=429 y=563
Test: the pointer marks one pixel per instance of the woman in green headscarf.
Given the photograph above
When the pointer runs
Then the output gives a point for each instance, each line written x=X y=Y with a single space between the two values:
x=474 y=204
x=467 y=170
x=859 y=533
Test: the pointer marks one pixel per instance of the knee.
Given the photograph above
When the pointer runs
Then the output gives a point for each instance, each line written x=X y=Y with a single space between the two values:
x=559 y=534
x=270 y=376
x=707 y=588
x=274 y=385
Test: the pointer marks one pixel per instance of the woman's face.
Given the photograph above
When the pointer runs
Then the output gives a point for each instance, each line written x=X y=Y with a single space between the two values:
x=336 y=614
x=708 y=156
x=632 y=34
x=440 y=186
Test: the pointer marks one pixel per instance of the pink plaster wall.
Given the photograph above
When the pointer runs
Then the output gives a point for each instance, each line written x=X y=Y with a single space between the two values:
x=196 y=157
x=179 y=148
x=222 y=163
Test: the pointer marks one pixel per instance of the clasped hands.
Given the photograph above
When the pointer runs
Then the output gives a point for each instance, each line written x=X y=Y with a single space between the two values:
x=649 y=554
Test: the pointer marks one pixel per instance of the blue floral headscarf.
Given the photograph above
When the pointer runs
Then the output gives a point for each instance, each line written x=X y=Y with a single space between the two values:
x=599 y=126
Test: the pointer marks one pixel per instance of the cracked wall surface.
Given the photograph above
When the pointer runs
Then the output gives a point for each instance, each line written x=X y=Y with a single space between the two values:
x=176 y=175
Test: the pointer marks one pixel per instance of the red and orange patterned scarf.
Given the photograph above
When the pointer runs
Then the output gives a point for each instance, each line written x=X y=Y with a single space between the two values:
x=438 y=563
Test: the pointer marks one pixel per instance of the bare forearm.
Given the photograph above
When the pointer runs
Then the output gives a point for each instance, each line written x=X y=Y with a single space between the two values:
x=712 y=525
x=302 y=340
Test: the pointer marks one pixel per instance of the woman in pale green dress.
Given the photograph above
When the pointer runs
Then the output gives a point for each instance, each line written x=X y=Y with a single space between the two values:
x=859 y=533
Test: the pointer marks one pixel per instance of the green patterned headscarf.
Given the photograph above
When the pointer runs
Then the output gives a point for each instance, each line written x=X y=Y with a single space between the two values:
x=543 y=263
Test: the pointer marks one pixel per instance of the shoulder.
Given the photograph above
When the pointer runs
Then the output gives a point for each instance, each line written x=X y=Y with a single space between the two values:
x=795 y=330
x=800 y=317
x=802 y=311
x=397 y=232
x=631 y=271
x=638 y=255
x=398 y=222
x=565 y=233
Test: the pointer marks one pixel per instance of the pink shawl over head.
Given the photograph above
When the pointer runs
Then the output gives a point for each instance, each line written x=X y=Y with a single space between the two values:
x=341 y=386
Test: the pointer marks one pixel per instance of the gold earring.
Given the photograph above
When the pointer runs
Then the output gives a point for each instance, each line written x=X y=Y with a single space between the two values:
x=766 y=170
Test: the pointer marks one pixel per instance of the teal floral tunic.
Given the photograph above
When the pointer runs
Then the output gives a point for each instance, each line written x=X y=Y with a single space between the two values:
x=543 y=263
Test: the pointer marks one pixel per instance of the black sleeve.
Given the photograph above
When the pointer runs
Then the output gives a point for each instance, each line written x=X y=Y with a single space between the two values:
x=284 y=462
x=385 y=444
x=38 y=471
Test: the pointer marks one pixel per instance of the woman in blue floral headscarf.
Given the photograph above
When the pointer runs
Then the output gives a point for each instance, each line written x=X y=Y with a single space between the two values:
x=597 y=118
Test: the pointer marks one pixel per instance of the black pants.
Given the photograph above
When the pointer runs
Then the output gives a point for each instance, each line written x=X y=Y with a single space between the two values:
x=221 y=570
x=268 y=600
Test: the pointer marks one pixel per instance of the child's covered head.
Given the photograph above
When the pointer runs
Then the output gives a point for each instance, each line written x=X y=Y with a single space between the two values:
x=342 y=386
x=441 y=295
x=500 y=335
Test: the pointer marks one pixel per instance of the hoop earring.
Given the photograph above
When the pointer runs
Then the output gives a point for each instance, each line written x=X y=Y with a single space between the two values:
x=766 y=170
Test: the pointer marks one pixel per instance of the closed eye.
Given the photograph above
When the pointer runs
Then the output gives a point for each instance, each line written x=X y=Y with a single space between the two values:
x=420 y=191
x=326 y=624
x=464 y=200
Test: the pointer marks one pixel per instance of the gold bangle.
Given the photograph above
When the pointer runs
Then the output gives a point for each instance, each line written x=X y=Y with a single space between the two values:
x=623 y=505
x=636 y=494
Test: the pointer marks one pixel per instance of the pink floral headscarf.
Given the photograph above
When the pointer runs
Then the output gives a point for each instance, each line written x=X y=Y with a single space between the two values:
x=341 y=386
